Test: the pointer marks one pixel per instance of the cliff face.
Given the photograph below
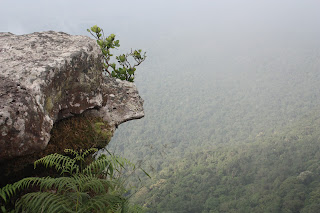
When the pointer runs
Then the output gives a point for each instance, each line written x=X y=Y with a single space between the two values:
x=48 y=76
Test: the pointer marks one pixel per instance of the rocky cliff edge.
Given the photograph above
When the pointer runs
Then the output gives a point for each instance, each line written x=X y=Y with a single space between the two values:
x=48 y=76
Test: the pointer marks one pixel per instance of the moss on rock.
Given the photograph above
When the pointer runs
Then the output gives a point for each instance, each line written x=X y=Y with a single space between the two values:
x=78 y=132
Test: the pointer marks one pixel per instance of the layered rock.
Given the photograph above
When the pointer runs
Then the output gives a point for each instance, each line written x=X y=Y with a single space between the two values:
x=48 y=76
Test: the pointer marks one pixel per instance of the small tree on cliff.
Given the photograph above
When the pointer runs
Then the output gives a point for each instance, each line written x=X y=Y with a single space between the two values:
x=127 y=69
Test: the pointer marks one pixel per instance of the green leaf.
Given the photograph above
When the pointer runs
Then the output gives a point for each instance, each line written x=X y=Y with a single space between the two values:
x=113 y=74
x=110 y=43
x=104 y=52
x=3 y=209
x=99 y=42
x=130 y=71
x=123 y=71
x=94 y=29
x=122 y=58
x=109 y=39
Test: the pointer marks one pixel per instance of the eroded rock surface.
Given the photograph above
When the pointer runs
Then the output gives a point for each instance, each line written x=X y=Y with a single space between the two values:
x=124 y=103
x=48 y=76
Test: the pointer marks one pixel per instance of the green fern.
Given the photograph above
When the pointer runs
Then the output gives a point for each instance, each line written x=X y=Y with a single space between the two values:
x=82 y=188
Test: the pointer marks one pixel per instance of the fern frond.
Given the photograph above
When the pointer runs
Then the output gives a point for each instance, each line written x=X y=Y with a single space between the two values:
x=97 y=166
x=84 y=191
x=97 y=185
x=60 y=162
x=10 y=189
x=88 y=151
x=42 y=202
x=81 y=155
x=60 y=184
x=72 y=152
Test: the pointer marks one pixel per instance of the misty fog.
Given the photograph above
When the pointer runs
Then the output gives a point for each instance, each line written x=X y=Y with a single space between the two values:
x=217 y=74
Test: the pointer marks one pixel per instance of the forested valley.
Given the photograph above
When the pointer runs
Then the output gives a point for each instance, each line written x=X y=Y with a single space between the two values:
x=231 y=95
x=279 y=172
x=242 y=138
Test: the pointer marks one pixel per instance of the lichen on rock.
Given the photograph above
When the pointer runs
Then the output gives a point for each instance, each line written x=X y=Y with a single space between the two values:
x=49 y=76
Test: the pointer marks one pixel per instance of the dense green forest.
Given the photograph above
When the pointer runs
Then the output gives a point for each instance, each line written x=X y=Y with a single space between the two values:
x=279 y=172
x=241 y=138
x=225 y=105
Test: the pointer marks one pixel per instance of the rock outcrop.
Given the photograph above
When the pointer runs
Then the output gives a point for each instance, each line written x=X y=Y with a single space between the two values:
x=48 y=76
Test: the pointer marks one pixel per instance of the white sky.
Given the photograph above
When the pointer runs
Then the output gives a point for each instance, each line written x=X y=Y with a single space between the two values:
x=21 y=16
x=170 y=28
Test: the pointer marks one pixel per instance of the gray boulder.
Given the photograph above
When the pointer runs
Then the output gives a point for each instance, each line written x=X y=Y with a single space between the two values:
x=48 y=76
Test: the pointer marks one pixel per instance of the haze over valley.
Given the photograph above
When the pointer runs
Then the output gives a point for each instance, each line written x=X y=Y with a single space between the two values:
x=231 y=95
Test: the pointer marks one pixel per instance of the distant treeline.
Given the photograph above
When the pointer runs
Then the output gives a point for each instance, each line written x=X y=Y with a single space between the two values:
x=280 y=172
